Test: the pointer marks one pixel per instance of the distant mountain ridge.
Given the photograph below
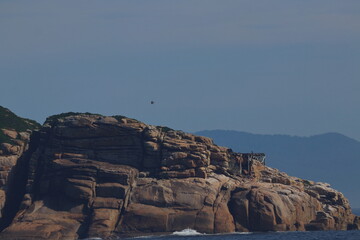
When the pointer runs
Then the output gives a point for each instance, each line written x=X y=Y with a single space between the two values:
x=356 y=211
x=329 y=157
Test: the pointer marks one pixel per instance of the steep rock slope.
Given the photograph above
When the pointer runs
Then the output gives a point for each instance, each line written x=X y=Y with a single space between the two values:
x=334 y=158
x=100 y=176
x=14 y=138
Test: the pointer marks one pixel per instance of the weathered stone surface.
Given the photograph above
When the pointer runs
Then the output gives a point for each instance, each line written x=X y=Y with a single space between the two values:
x=178 y=204
x=10 y=133
x=96 y=176
x=10 y=156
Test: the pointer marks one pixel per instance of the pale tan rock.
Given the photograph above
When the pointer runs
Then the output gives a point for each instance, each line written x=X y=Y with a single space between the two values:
x=10 y=133
x=95 y=176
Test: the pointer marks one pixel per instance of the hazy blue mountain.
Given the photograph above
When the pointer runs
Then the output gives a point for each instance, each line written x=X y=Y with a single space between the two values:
x=356 y=211
x=330 y=157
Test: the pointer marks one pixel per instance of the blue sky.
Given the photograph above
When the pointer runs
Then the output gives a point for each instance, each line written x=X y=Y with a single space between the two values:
x=288 y=67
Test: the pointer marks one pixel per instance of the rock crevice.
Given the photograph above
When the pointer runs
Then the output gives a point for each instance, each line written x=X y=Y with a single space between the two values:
x=97 y=176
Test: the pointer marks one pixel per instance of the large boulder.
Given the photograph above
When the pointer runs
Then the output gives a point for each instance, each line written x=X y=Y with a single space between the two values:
x=97 y=176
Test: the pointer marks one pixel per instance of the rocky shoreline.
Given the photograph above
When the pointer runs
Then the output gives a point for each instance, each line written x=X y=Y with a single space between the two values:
x=86 y=175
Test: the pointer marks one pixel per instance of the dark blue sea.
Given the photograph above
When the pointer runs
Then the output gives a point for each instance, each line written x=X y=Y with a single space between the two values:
x=323 y=235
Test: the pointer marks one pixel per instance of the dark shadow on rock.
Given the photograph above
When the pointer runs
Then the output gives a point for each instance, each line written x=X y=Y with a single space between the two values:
x=17 y=180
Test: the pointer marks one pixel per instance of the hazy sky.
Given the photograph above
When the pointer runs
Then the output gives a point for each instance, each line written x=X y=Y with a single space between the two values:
x=280 y=66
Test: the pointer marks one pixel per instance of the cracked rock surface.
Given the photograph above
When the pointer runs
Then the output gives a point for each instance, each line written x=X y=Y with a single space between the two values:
x=97 y=176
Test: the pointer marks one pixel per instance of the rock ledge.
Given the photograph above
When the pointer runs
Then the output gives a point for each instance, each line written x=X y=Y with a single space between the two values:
x=97 y=176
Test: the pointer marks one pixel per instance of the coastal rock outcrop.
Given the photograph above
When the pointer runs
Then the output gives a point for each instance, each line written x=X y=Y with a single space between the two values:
x=10 y=154
x=97 y=176
x=14 y=146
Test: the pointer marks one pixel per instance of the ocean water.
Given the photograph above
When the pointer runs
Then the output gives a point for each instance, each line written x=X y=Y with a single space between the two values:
x=320 y=235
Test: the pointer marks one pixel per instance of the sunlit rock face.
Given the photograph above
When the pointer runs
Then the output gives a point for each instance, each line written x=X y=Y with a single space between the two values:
x=14 y=147
x=97 y=176
x=10 y=155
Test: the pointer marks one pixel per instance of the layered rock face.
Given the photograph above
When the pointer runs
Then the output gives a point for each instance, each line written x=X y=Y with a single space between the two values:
x=96 y=176
x=10 y=154
x=14 y=146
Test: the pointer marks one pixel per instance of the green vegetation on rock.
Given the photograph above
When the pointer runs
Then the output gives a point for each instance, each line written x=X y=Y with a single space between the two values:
x=120 y=117
x=164 y=129
x=9 y=120
x=4 y=138
x=54 y=118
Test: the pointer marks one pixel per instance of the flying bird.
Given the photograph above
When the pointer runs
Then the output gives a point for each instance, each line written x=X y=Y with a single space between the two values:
x=152 y=102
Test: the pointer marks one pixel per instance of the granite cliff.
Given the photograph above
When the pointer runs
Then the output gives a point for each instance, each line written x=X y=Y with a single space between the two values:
x=86 y=175
x=14 y=150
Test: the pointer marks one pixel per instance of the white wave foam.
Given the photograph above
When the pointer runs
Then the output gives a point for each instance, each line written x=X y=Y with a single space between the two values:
x=94 y=238
x=187 y=232
x=149 y=236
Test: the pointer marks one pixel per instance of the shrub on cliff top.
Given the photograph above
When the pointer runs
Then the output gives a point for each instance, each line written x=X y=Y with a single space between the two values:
x=120 y=117
x=164 y=128
x=9 y=120
x=54 y=118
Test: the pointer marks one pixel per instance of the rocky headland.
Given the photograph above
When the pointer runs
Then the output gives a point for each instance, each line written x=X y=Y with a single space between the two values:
x=87 y=175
